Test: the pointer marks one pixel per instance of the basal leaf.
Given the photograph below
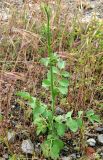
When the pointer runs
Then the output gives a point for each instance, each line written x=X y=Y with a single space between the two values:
x=72 y=124
x=56 y=148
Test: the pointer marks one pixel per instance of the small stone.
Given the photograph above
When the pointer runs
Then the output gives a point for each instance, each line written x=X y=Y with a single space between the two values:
x=99 y=129
x=73 y=156
x=11 y=137
x=91 y=142
x=27 y=146
x=5 y=156
x=100 y=138
x=59 y=111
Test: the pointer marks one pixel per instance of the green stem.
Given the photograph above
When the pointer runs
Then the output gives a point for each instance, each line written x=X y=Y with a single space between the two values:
x=51 y=65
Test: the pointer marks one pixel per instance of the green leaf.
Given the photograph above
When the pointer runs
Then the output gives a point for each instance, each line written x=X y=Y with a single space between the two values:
x=45 y=61
x=65 y=74
x=89 y=113
x=72 y=124
x=80 y=113
x=63 y=90
x=61 y=64
x=32 y=103
x=46 y=146
x=64 y=83
x=60 y=127
x=59 y=118
x=48 y=115
x=69 y=114
x=49 y=76
x=41 y=125
x=55 y=70
x=46 y=83
x=52 y=146
x=38 y=110
x=24 y=95
x=56 y=147
x=79 y=122
x=94 y=118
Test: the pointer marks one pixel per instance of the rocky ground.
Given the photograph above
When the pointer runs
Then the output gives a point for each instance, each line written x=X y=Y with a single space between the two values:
x=22 y=140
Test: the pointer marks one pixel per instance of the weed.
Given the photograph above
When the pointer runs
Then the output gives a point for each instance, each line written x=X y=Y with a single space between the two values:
x=44 y=117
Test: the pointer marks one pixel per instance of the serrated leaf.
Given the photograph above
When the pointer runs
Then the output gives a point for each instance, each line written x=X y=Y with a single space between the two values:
x=63 y=90
x=72 y=124
x=64 y=83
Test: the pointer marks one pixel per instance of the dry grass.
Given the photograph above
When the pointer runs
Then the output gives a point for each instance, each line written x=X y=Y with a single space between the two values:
x=23 y=42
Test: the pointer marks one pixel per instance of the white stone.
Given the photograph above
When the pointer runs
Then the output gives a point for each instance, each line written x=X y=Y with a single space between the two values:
x=91 y=142
x=27 y=146
x=100 y=138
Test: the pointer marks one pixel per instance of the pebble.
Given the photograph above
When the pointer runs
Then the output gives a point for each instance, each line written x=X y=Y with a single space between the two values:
x=99 y=129
x=73 y=156
x=27 y=146
x=6 y=156
x=91 y=142
x=59 y=111
x=100 y=138
x=11 y=136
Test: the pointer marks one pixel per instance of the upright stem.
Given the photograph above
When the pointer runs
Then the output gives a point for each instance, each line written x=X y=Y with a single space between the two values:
x=50 y=56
